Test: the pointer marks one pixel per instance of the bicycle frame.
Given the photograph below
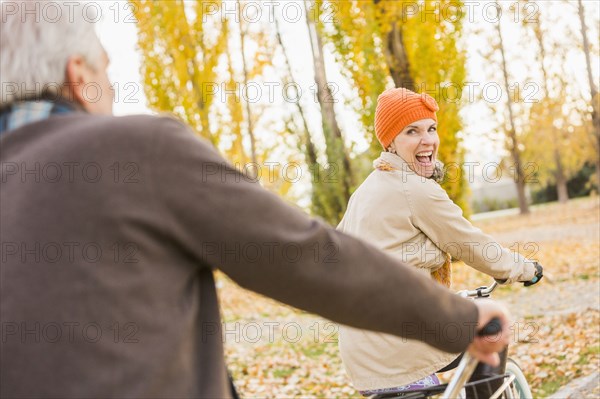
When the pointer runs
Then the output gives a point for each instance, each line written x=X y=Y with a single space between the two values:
x=463 y=372
x=468 y=363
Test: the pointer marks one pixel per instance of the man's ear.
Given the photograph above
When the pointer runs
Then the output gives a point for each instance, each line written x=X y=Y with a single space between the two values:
x=77 y=76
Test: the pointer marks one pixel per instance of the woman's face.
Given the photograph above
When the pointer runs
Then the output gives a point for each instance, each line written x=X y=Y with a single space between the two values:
x=418 y=144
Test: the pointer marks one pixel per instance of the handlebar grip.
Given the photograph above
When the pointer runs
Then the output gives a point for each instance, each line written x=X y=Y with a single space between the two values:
x=539 y=273
x=534 y=280
x=493 y=327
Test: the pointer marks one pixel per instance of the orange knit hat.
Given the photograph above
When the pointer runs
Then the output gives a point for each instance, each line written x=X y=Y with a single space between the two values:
x=396 y=108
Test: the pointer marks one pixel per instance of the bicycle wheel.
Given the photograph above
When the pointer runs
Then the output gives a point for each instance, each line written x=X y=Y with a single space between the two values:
x=519 y=387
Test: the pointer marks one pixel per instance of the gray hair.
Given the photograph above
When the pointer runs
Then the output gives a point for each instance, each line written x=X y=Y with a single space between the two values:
x=36 y=40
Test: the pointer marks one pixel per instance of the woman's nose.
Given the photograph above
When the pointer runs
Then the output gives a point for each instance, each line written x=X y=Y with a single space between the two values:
x=427 y=139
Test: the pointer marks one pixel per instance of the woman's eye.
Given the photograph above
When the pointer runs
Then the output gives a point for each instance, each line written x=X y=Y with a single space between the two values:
x=411 y=131
x=433 y=129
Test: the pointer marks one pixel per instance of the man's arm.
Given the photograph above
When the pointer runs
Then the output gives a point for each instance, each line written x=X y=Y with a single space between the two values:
x=225 y=221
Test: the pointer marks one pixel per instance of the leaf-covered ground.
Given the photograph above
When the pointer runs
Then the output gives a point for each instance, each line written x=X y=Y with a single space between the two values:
x=274 y=351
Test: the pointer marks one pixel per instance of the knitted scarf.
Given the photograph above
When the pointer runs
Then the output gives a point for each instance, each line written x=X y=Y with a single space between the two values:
x=442 y=275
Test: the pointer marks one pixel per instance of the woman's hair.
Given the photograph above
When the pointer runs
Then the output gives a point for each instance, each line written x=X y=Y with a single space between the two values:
x=36 y=41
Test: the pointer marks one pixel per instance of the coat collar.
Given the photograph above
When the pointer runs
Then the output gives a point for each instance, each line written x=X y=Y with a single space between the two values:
x=387 y=159
x=24 y=112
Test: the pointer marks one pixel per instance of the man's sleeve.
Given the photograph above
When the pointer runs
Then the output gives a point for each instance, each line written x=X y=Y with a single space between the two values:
x=442 y=221
x=223 y=220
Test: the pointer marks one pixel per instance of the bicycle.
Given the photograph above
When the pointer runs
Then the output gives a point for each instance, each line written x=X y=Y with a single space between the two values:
x=513 y=382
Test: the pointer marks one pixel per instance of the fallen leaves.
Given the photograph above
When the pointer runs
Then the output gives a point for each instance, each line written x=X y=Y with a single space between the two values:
x=564 y=348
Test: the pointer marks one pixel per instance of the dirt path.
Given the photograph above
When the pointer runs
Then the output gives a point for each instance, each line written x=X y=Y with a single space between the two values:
x=587 y=231
x=568 y=241
x=560 y=298
x=555 y=297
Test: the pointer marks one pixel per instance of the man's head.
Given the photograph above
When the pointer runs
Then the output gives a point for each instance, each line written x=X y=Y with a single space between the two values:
x=56 y=54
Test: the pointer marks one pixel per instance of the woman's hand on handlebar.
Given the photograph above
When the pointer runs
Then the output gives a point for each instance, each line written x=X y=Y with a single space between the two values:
x=486 y=348
x=539 y=273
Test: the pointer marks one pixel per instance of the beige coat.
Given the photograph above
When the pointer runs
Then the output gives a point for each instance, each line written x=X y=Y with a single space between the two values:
x=413 y=218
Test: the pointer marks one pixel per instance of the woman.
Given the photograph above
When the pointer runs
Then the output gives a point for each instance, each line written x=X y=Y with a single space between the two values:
x=403 y=210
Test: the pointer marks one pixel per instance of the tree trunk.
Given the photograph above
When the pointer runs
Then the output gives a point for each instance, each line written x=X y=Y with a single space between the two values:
x=593 y=89
x=513 y=143
x=559 y=174
x=248 y=110
x=333 y=136
x=311 y=152
x=561 y=180
x=598 y=173
x=396 y=57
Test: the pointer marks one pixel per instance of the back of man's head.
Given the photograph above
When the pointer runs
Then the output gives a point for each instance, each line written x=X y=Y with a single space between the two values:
x=51 y=49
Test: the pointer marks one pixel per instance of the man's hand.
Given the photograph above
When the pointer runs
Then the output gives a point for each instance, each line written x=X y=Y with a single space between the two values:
x=485 y=349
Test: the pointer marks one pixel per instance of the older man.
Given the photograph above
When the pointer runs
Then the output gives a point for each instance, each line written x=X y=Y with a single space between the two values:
x=111 y=229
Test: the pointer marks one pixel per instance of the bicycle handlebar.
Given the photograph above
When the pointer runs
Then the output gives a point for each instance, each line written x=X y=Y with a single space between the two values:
x=468 y=363
x=481 y=292
x=493 y=327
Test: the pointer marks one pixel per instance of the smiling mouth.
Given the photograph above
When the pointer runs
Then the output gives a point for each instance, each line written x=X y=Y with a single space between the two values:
x=425 y=158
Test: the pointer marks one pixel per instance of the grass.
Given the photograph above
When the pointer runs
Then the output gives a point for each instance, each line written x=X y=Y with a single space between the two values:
x=550 y=386
x=314 y=351
x=283 y=373
x=587 y=353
